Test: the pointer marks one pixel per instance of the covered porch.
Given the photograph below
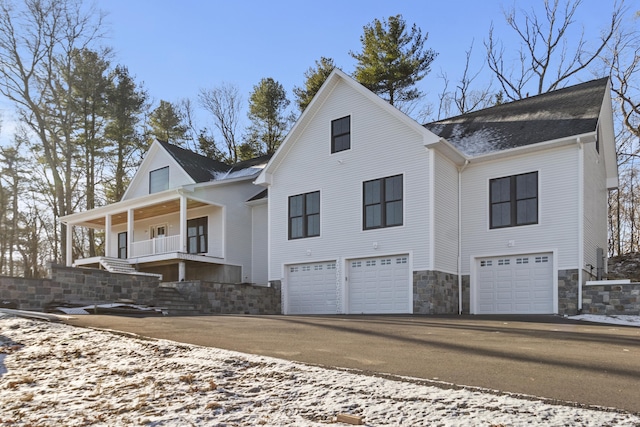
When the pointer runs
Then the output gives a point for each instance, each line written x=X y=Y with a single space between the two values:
x=171 y=228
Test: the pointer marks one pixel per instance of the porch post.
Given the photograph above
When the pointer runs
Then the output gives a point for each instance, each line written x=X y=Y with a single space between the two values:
x=183 y=223
x=69 y=247
x=182 y=269
x=107 y=235
x=129 y=233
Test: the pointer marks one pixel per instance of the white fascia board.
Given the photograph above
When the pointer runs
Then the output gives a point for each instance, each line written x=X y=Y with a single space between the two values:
x=258 y=202
x=446 y=149
x=215 y=183
x=121 y=206
x=265 y=179
x=539 y=146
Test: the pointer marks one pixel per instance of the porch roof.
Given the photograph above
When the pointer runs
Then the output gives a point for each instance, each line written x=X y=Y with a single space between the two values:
x=143 y=207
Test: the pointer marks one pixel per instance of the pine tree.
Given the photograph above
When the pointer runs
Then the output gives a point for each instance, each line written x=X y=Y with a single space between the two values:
x=393 y=60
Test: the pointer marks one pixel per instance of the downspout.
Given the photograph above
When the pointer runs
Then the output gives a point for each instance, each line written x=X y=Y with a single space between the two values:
x=460 y=170
x=580 y=219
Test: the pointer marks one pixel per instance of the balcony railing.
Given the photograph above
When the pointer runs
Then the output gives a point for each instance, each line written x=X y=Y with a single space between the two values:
x=157 y=245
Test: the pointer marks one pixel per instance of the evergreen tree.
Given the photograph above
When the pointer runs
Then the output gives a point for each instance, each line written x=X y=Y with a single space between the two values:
x=315 y=77
x=167 y=124
x=393 y=60
x=269 y=119
x=126 y=102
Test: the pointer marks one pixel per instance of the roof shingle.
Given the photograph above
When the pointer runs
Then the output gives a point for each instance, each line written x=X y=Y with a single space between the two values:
x=559 y=114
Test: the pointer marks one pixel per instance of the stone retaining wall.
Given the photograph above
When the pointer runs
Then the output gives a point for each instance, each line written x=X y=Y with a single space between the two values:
x=433 y=293
x=77 y=285
x=230 y=298
x=611 y=299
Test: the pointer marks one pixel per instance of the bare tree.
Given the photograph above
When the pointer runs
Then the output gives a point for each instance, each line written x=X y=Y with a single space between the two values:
x=37 y=41
x=546 y=59
x=621 y=60
x=464 y=98
x=224 y=103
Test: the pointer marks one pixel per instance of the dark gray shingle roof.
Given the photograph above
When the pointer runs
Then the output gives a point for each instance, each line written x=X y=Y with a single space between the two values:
x=562 y=113
x=203 y=169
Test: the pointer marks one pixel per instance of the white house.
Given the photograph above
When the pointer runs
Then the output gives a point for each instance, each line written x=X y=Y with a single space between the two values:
x=503 y=210
x=186 y=217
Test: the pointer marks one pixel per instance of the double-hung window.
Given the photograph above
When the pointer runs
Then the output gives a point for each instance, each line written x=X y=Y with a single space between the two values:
x=197 y=235
x=341 y=134
x=159 y=180
x=382 y=202
x=304 y=215
x=514 y=200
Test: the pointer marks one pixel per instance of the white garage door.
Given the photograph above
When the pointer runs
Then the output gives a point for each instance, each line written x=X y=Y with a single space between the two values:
x=380 y=285
x=520 y=284
x=311 y=288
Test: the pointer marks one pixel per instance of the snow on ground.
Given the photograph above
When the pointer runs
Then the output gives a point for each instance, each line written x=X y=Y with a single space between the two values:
x=58 y=374
x=613 y=319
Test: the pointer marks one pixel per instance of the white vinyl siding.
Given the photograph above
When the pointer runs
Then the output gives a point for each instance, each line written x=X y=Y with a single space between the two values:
x=340 y=176
x=156 y=158
x=595 y=206
x=557 y=227
x=259 y=244
x=445 y=215
x=159 y=180
x=232 y=223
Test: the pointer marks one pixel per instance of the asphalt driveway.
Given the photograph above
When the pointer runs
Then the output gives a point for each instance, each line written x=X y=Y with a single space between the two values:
x=543 y=356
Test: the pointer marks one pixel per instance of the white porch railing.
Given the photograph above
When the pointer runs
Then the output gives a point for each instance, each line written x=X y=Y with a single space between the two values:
x=158 y=245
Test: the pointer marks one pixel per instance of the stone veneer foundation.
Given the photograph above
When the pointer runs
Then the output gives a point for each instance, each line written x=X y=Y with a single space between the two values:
x=435 y=292
x=568 y=292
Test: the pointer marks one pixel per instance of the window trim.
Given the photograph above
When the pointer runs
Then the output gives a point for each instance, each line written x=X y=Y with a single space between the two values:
x=335 y=136
x=150 y=180
x=153 y=230
x=305 y=216
x=383 y=203
x=513 y=201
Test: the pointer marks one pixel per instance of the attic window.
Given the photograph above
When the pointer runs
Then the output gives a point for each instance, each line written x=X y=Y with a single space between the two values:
x=159 y=180
x=341 y=134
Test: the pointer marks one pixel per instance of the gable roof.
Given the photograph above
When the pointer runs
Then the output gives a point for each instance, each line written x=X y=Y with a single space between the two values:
x=554 y=115
x=198 y=167
x=203 y=169
x=336 y=77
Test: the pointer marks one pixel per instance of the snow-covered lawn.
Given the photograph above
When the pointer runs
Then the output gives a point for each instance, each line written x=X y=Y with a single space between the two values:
x=53 y=374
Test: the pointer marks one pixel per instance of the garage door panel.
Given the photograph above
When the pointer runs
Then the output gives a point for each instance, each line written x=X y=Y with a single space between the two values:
x=311 y=288
x=515 y=284
x=379 y=285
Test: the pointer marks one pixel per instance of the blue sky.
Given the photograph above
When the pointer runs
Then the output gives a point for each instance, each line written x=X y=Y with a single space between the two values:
x=175 y=48
x=178 y=47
